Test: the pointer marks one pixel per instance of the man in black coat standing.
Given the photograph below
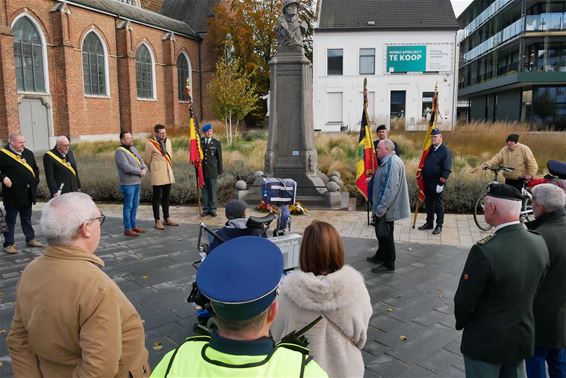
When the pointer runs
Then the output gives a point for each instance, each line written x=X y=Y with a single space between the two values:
x=20 y=176
x=382 y=134
x=61 y=168
x=550 y=302
x=436 y=169
x=494 y=300
x=211 y=169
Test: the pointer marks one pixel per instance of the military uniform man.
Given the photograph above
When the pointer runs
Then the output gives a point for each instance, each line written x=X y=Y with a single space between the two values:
x=244 y=303
x=382 y=134
x=211 y=169
x=61 y=168
x=494 y=300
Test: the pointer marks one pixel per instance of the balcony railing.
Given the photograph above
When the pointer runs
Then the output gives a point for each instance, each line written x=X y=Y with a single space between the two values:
x=492 y=9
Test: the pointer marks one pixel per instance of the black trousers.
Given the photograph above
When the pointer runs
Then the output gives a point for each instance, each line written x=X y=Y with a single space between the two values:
x=161 y=196
x=25 y=220
x=386 y=247
x=517 y=183
x=434 y=203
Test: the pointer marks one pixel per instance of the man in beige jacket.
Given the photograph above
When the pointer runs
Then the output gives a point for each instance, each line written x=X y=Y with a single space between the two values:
x=158 y=156
x=517 y=156
x=71 y=319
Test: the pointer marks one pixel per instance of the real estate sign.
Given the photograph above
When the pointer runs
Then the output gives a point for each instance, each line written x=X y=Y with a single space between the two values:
x=419 y=58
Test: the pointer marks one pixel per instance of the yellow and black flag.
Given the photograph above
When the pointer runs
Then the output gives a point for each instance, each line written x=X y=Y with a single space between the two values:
x=367 y=159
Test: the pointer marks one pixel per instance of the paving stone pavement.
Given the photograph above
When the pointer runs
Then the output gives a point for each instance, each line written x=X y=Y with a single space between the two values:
x=411 y=333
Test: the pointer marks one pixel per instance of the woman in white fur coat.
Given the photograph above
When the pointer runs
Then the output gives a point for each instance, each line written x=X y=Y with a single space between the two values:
x=325 y=286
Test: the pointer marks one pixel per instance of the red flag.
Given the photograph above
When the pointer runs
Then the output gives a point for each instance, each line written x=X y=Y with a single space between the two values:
x=195 y=150
x=367 y=159
x=426 y=145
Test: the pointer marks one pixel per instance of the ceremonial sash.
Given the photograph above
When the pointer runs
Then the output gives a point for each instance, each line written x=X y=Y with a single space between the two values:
x=19 y=159
x=131 y=154
x=64 y=163
x=166 y=156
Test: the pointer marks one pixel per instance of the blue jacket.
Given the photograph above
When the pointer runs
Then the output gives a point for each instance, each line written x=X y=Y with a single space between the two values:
x=437 y=164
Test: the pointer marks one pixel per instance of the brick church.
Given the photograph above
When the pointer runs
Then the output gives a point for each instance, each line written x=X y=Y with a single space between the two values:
x=89 y=68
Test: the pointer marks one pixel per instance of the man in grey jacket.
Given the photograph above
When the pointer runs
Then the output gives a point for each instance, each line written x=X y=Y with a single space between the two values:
x=131 y=169
x=390 y=203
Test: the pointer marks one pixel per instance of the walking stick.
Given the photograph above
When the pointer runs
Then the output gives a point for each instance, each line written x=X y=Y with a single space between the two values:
x=417 y=205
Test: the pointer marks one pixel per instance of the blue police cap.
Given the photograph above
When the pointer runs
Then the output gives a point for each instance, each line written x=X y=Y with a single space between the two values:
x=241 y=277
x=435 y=132
x=206 y=127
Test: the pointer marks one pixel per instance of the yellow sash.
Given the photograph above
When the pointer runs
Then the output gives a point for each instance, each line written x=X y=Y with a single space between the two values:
x=62 y=162
x=19 y=159
x=132 y=154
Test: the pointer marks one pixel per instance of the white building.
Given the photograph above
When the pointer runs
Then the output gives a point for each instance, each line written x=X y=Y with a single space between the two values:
x=403 y=47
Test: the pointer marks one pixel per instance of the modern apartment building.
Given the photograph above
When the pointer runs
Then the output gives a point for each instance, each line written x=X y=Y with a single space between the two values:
x=513 y=61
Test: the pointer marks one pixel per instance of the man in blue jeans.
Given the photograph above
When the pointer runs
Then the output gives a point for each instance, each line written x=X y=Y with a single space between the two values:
x=131 y=169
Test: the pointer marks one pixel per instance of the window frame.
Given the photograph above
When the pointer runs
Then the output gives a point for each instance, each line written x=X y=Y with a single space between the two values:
x=106 y=68
x=360 y=61
x=181 y=85
x=153 y=78
x=328 y=61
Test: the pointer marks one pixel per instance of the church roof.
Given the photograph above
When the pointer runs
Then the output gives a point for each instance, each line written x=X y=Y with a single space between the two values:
x=405 y=15
x=137 y=14
x=193 y=12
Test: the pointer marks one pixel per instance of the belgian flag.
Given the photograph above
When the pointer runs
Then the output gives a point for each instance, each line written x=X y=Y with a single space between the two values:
x=367 y=159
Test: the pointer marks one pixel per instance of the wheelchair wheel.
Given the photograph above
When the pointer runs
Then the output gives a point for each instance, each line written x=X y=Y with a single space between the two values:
x=527 y=210
x=478 y=214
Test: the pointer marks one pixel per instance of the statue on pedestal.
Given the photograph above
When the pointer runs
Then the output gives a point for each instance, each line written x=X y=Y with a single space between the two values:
x=290 y=29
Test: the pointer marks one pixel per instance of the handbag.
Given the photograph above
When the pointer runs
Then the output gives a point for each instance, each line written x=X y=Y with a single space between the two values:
x=381 y=227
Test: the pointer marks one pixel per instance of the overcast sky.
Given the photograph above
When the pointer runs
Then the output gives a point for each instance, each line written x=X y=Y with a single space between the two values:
x=459 y=5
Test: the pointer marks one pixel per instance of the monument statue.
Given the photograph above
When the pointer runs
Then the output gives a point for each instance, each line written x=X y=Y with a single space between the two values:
x=290 y=29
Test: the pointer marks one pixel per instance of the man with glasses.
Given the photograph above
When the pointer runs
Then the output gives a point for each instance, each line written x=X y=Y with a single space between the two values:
x=494 y=300
x=61 y=172
x=71 y=319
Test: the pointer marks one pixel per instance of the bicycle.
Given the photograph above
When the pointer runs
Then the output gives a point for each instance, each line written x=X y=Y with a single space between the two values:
x=526 y=213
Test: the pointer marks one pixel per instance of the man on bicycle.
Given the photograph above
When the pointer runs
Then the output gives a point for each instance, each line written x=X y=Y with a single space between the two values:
x=517 y=156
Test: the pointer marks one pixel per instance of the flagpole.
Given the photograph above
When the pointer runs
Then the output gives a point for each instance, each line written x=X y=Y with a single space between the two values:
x=192 y=116
x=372 y=160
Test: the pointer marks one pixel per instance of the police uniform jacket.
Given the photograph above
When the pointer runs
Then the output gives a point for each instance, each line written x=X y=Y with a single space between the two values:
x=550 y=301
x=494 y=300
x=438 y=164
x=212 y=158
x=23 y=191
x=56 y=173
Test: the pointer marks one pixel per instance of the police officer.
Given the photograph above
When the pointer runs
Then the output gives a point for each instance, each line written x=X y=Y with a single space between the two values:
x=494 y=300
x=211 y=169
x=436 y=169
x=240 y=278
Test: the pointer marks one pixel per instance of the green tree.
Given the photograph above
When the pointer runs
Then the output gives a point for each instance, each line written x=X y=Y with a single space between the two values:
x=233 y=94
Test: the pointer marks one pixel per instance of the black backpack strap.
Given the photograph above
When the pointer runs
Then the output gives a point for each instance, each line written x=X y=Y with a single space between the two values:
x=193 y=338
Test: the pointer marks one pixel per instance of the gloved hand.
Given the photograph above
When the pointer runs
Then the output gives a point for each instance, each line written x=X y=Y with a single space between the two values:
x=439 y=188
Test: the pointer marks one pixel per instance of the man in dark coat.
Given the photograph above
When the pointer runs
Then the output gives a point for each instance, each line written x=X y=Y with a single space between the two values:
x=61 y=168
x=382 y=134
x=494 y=300
x=550 y=302
x=436 y=169
x=20 y=176
x=211 y=169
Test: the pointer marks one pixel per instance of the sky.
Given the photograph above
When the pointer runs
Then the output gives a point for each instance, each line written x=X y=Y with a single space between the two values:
x=459 y=5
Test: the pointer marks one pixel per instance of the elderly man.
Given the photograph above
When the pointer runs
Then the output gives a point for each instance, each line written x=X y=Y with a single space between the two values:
x=550 y=302
x=61 y=171
x=71 y=319
x=437 y=167
x=494 y=300
x=245 y=307
x=20 y=176
x=211 y=169
x=518 y=156
x=382 y=134
x=390 y=203
x=131 y=169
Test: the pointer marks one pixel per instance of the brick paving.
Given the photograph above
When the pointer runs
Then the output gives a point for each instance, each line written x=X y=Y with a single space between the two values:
x=411 y=333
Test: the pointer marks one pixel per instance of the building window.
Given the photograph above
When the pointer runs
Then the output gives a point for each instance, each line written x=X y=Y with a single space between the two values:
x=549 y=107
x=367 y=61
x=28 y=56
x=144 y=72
x=183 y=73
x=94 y=70
x=427 y=104
x=335 y=61
x=334 y=108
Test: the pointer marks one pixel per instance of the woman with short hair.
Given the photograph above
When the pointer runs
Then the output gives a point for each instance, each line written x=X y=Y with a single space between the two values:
x=326 y=287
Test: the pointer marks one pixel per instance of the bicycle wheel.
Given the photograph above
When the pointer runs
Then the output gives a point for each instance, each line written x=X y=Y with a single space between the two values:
x=527 y=210
x=478 y=214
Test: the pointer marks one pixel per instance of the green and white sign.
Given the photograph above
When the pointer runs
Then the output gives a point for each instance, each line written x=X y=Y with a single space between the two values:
x=406 y=58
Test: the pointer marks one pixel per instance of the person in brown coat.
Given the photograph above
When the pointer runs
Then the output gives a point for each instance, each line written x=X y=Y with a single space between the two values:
x=71 y=319
x=158 y=156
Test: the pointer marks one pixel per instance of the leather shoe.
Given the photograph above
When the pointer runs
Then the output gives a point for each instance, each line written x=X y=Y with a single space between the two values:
x=131 y=233
x=426 y=226
x=204 y=214
x=374 y=260
x=382 y=269
x=437 y=230
x=139 y=230
x=159 y=225
x=169 y=222
x=34 y=243
x=213 y=213
x=10 y=249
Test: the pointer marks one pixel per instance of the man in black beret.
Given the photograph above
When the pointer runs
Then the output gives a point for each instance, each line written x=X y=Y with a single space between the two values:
x=383 y=134
x=494 y=300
